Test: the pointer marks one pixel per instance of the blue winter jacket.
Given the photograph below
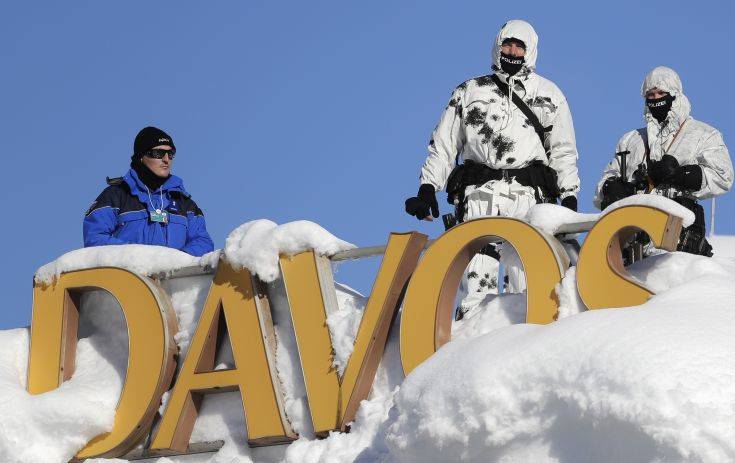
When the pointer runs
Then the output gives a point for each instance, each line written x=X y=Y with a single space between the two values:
x=121 y=215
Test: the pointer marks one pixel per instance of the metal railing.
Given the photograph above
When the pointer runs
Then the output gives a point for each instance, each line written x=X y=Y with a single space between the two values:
x=357 y=253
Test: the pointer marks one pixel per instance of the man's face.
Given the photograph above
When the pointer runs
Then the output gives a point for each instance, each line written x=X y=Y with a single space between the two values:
x=513 y=47
x=655 y=93
x=160 y=167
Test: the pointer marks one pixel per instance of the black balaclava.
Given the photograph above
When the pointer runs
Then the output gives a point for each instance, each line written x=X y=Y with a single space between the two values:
x=146 y=139
x=660 y=107
x=509 y=63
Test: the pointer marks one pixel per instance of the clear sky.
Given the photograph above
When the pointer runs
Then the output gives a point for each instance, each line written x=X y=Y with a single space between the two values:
x=304 y=110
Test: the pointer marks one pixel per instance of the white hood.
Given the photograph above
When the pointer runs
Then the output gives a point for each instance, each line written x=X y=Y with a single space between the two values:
x=668 y=80
x=521 y=30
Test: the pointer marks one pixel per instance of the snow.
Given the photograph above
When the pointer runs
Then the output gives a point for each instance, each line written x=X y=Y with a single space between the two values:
x=187 y=298
x=656 y=201
x=649 y=383
x=53 y=426
x=344 y=323
x=570 y=302
x=138 y=258
x=637 y=384
x=495 y=311
x=256 y=245
x=667 y=271
x=102 y=356
x=723 y=246
x=652 y=383
x=288 y=364
x=551 y=217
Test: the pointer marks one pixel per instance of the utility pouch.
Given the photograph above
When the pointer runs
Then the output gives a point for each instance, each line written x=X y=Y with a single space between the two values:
x=543 y=180
x=456 y=183
x=540 y=177
x=462 y=176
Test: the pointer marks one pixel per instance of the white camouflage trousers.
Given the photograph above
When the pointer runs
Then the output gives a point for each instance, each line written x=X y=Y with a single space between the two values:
x=495 y=198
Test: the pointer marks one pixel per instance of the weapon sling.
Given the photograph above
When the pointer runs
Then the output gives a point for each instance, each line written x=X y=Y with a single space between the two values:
x=530 y=115
x=651 y=186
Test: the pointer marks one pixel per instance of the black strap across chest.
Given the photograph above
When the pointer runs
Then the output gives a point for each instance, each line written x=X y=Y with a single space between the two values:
x=530 y=115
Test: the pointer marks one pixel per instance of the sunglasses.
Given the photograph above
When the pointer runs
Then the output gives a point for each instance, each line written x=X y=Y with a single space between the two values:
x=159 y=154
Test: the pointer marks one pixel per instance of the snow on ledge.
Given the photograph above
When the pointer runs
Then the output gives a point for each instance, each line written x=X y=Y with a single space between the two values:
x=138 y=258
x=257 y=245
x=550 y=217
x=659 y=202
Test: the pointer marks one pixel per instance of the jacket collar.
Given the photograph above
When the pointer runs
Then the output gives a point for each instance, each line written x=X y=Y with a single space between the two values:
x=138 y=188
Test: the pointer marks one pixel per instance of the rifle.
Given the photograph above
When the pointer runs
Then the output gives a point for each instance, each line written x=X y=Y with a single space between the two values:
x=640 y=181
x=692 y=239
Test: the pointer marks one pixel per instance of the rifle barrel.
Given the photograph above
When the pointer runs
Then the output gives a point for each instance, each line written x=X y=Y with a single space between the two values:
x=623 y=164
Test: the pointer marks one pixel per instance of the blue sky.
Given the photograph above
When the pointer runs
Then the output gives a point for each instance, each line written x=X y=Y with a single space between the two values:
x=303 y=110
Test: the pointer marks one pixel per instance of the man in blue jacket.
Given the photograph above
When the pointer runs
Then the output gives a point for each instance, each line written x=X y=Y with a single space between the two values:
x=148 y=205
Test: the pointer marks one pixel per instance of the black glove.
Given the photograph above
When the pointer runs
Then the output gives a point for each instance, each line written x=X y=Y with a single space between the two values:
x=639 y=179
x=423 y=203
x=570 y=202
x=687 y=178
x=615 y=189
x=660 y=171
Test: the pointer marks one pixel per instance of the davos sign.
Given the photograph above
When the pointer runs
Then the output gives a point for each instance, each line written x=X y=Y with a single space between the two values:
x=425 y=286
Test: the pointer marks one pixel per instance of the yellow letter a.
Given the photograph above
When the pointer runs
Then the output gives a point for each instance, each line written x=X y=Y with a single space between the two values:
x=247 y=315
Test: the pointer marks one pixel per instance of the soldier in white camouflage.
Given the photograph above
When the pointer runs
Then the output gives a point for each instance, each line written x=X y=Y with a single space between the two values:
x=514 y=131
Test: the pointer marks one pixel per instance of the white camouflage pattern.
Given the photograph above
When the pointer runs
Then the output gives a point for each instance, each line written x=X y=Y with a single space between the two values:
x=697 y=143
x=483 y=125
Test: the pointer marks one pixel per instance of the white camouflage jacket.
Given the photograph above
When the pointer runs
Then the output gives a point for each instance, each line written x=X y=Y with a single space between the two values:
x=696 y=142
x=483 y=125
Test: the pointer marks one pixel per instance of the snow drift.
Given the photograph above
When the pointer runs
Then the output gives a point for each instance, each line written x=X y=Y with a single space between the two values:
x=654 y=382
x=649 y=383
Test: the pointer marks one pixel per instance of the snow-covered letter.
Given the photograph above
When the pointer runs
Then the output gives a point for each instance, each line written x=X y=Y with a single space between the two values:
x=426 y=321
x=602 y=280
x=310 y=289
x=151 y=363
x=237 y=295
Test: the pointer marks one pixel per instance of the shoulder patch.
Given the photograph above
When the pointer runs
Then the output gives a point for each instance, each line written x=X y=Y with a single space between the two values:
x=114 y=180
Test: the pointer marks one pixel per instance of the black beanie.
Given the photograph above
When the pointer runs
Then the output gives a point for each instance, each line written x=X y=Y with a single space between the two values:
x=148 y=138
